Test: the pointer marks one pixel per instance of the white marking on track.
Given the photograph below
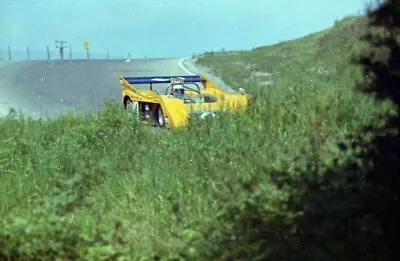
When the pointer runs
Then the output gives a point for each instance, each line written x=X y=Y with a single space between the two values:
x=183 y=66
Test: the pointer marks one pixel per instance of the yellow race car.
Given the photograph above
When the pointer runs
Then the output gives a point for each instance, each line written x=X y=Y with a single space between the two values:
x=171 y=101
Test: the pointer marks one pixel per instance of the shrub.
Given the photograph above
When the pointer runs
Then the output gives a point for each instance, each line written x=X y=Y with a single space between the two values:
x=344 y=206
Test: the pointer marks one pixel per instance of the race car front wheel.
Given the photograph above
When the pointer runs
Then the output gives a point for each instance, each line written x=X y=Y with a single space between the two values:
x=160 y=117
x=132 y=107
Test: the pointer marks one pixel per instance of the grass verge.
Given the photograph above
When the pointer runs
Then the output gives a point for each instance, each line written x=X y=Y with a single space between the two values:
x=158 y=181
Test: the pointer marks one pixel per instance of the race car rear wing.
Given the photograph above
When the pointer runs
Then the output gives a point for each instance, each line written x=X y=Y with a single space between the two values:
x=200 y=78
x=163 y=79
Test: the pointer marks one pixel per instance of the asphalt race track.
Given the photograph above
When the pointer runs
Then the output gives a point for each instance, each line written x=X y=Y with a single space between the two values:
x=43 y=89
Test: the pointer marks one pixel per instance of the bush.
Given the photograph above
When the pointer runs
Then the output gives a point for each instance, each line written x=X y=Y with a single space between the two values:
x=344 y=206
x=51 y=233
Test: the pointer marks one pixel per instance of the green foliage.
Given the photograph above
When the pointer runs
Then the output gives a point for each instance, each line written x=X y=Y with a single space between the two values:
x=240 y=230
x=51 y=232
x=271 y=183
x=341 y=206
x=54 y=184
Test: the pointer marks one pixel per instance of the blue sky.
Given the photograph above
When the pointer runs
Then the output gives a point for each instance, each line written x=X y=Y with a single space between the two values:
x=164 y=28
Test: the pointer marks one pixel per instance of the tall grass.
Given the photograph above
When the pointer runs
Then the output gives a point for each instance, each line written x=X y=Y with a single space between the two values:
x=156 y=181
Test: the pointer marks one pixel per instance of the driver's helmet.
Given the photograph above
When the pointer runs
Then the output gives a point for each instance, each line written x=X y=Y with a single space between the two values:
x=178 y=90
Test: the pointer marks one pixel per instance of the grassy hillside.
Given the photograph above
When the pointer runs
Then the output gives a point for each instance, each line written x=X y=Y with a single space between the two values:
x=305 y=84
x=97 y=170
x=324 y=56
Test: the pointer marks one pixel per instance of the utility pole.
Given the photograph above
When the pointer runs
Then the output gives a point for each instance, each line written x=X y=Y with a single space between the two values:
x=60 y=45
x=48 y=53
x=9 y=53
x=28 y=53
x=70 y=53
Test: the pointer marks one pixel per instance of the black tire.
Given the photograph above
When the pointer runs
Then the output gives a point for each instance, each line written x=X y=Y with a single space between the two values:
x=159 y=117
x=132 y=108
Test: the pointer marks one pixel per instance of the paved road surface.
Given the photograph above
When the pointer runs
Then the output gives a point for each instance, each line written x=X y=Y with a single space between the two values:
x=41 y=89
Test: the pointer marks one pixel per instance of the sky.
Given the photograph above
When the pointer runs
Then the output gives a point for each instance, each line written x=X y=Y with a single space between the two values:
x=162 y=28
